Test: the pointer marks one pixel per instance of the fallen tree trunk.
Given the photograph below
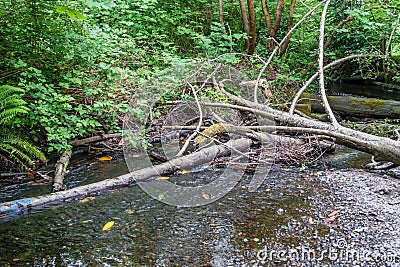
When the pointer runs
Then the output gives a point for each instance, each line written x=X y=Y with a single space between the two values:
x=355 y=106
x=61 y=168
x=197 y=158
x=383 y=149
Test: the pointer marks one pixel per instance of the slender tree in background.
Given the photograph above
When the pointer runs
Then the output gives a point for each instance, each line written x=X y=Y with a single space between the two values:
x=252 y=28
x=289 y=27
x=246 y=27
x=221 y=14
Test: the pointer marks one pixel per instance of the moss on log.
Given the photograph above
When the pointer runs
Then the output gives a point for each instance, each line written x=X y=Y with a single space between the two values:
x=355 y=106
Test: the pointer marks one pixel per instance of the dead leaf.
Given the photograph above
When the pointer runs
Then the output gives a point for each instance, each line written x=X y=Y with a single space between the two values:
x=129 y=211
x=86 y=199
x=105 y=158
x=333 y=213
x=206 y=196
x=161 y=178
x=31 y=174
x=256 y=239
x=108 y=226
x=184 y=171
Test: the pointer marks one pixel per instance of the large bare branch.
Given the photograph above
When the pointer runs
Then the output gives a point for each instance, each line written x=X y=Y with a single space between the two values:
x=384 y=149
x=312 y=78
x=321 y=66
x=189 y=161
x=391 y=37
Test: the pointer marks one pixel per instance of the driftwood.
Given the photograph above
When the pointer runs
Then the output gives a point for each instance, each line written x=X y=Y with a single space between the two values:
x=92 y=139
x=355 y=106
x=62 y=163
x=384 y=149
x=197 y=158
x=61 y=168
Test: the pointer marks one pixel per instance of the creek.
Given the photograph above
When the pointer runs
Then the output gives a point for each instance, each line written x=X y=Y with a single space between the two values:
x=364 y=90
x=229 y=232
x=288 y=212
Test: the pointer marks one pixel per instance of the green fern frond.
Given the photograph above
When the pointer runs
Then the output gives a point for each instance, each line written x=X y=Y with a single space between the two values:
x=11 y=104
x=7 y=116
x=18 y=150
x=12 y=146
x=12 y=154
x=7 y=90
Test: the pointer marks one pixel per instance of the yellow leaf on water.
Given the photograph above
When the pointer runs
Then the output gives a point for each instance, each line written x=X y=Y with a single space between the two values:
x=206 y=196
x=105 y=158
x=162 y=178
x=108 y=225
x=184 y=171
x=86 y=199
x=129 y=211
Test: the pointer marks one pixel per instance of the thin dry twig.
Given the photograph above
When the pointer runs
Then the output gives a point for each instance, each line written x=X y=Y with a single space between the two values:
x=193 y=135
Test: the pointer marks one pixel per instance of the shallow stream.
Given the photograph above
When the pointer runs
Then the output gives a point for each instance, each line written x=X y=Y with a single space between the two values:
x=283 y=212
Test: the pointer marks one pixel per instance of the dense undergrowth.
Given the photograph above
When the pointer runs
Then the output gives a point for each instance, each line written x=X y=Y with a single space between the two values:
x=78 y=62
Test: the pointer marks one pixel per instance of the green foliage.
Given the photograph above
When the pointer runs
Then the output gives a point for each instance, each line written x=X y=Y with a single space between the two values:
x=79 y=61
x=12 y=146
x=11 y=104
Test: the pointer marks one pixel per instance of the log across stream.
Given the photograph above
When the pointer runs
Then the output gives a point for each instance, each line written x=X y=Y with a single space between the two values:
x=286 y=212
x=184 y=162
x=352 y=106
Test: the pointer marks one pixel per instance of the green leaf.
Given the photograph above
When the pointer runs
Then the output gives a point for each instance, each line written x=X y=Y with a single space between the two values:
x=61 y=9
x=71 y=13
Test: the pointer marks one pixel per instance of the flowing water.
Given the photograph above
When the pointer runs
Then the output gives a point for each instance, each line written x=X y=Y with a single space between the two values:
x=364 y=90
x=228 y=232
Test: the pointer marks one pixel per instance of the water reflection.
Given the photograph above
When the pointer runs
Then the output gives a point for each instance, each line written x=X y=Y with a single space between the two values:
x=365 y=90
x=149 y=233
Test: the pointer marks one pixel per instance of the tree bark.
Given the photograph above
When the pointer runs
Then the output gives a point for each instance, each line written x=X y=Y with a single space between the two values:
x=252 y=28
x=246 y=26
x=355 y=106
x=280 y=5
x=221 y=14
x=285 y=44
x=185 y=162
x=61 y=168
x=266 y=15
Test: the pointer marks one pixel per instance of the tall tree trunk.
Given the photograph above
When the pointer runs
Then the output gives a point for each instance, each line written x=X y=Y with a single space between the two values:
x=278 y=17
x=221 y=14
x=252 y=28
x=245 y=20
x=266 y=15
x=285 y=45
x=273 y=27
